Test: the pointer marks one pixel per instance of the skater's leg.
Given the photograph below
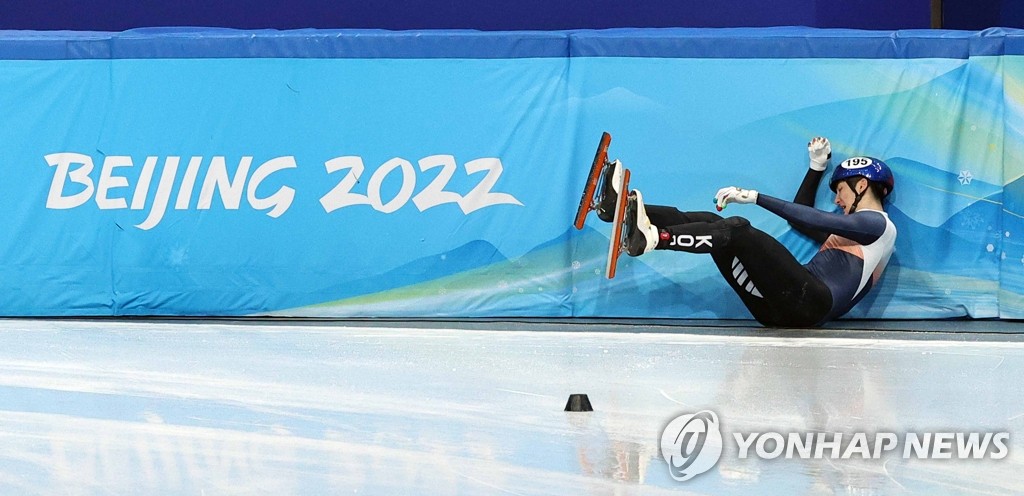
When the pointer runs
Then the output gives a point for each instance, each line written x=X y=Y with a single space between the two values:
x=642 y=223
x=778 y=290
x=699 y=237
x=773 y=285
x=670 y=216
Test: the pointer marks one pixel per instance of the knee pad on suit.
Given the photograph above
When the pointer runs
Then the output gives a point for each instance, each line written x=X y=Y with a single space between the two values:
x=736 y=222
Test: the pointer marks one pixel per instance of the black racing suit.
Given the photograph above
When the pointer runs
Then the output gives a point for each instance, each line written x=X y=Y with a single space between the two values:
x=776 y=289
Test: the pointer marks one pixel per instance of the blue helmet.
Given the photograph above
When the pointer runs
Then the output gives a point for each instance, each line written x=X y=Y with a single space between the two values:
x=872 y=169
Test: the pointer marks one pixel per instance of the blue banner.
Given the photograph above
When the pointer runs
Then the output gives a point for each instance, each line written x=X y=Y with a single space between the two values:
x=436 y=174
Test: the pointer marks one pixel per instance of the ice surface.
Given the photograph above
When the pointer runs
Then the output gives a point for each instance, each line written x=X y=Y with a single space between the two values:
x=191 y=407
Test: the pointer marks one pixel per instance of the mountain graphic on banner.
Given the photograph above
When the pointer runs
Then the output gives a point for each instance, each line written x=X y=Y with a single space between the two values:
x=467 y=257
x=527 y=286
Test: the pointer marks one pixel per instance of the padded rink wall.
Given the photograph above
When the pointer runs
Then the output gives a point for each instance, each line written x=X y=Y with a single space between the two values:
x=436 y=173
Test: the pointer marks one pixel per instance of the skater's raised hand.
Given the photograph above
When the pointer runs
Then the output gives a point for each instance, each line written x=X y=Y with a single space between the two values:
x=733 y=194
x=820 y=151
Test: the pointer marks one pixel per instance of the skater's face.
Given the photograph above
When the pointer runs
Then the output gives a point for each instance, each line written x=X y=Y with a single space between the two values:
x=845 y=195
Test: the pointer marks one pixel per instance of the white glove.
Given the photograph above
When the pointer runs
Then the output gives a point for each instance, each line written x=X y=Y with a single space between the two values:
x=820 y=150
x=733 y=194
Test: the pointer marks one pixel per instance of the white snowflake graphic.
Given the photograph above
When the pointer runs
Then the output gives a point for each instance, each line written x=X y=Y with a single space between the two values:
x=965 y=177
x=972 y=221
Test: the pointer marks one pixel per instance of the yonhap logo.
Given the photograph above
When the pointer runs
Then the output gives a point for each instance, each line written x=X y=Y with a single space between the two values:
x=691 y=444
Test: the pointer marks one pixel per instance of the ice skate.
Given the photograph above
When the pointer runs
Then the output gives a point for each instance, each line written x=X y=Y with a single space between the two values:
x=639 y=235
x=607 y=193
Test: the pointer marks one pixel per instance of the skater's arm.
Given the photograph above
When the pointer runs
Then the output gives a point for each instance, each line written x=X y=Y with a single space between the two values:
x=808 y=188
x=805 y=196
x=864 y=227
x=819 y=151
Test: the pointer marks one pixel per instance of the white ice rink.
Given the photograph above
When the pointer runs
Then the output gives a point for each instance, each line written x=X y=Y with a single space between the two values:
x=223 y=407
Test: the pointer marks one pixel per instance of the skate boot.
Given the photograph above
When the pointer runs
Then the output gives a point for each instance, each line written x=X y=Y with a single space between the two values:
x=611 y=176
x=641 y=236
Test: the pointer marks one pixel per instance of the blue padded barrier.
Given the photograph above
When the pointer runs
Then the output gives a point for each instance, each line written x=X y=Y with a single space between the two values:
x=194 y=171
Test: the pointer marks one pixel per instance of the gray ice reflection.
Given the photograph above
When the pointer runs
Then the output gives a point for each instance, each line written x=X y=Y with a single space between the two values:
x=871 y=387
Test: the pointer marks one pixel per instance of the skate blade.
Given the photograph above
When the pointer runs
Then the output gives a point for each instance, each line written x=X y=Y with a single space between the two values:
x=587 y=200
x=617 y=243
